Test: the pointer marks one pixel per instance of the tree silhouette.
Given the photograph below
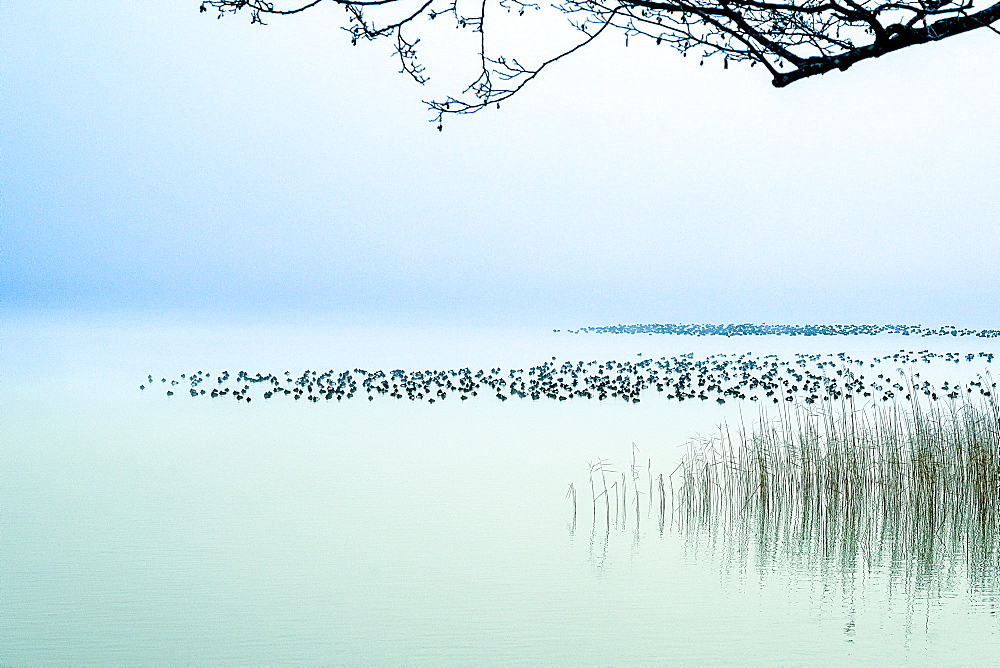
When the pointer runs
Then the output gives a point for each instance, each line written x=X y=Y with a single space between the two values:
x=792 y=39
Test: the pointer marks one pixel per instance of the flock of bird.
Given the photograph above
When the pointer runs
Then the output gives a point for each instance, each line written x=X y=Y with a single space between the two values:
x=786 y=330
x=808 y=378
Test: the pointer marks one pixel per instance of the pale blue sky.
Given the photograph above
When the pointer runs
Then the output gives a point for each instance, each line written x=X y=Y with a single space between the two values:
x=156 y=158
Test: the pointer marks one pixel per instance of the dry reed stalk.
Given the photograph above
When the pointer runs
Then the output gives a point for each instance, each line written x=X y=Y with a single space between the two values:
x=571 y=494
x=601 y=466
x=903 y=481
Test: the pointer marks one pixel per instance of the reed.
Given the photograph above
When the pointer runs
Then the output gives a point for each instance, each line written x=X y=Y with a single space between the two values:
x=913 y=483
x=600 y=468
x=635 y=478
x=571 y=495
x=604 y=484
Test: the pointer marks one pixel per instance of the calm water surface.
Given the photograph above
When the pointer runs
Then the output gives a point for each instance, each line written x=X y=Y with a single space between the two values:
x=140 y=529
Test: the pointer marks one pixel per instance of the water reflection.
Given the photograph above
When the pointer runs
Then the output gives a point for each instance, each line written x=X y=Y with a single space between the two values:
x=886 y=513
x=903 y=498
x=623 y=503
x=930 y=553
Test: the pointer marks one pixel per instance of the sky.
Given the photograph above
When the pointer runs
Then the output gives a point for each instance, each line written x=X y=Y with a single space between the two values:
x=153 y=158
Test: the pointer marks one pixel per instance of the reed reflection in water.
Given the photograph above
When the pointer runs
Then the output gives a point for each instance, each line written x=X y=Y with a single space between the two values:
x=908 y=490
x=629 y=501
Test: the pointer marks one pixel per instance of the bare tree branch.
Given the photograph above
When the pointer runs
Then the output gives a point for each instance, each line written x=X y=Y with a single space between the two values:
x=792 y=39
x=898 y=37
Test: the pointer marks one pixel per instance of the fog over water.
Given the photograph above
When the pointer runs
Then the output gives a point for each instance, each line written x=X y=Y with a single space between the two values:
x=185 y=196
x=145 y=528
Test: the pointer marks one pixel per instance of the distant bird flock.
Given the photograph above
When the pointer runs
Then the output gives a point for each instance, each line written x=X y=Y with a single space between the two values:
x=807 y=379
x=786 y=330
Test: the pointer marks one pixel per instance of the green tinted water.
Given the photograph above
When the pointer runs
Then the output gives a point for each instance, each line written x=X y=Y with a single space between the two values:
x=137 y=529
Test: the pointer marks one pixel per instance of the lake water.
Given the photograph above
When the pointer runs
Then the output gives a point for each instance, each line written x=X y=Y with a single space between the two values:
x=144 y=529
